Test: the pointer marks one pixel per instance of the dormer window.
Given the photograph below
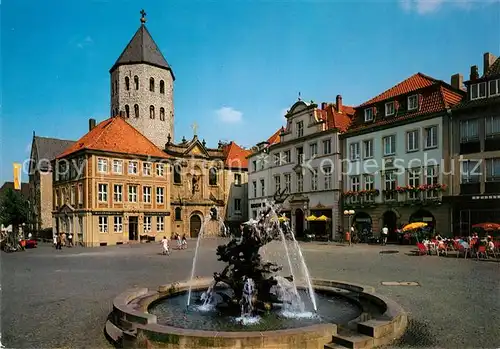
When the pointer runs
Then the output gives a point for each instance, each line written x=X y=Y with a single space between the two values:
x=477 y=91
x=389 y=109
x=494 y=88
x=412 y=102
x=368 y=114
x=300 y=129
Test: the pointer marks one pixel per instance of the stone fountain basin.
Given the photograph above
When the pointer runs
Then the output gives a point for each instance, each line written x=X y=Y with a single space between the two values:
x=131 y=326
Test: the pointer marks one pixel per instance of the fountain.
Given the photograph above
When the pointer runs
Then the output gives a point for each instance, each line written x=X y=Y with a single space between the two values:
x=250 y=297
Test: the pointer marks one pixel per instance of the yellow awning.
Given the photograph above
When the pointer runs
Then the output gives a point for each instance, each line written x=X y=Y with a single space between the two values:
x=311 y=218
x=283 y=218
x=323 y=218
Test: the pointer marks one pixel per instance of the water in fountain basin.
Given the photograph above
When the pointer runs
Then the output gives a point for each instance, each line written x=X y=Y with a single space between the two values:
x=247 y=309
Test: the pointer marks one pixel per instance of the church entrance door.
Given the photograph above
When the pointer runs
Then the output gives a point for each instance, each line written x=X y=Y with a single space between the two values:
x=194 y=225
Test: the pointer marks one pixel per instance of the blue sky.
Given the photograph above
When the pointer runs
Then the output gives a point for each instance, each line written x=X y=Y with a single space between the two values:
x=239 y=64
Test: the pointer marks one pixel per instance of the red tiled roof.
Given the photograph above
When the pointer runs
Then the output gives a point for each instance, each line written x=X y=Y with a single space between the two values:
x=236 y=156
x=117 y=136
x=413 y=83
x=334 y=119
x=275 y=138
x=433 y=98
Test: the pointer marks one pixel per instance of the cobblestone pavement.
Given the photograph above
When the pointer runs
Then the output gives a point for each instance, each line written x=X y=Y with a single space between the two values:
x=60 y=299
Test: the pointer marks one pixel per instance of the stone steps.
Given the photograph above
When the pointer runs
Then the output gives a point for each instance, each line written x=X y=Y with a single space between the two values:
x=352 y=340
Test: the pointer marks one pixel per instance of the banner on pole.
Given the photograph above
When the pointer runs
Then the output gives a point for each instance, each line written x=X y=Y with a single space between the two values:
x=17 y=176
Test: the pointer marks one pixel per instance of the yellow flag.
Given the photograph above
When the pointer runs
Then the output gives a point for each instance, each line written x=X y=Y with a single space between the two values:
x=17 y=176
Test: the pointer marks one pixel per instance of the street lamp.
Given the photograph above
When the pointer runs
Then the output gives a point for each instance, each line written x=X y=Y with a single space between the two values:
x=349 y=214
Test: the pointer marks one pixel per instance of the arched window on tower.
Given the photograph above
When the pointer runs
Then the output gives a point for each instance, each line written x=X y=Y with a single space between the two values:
x=152 y=84
x=127 y=83
x=212 y=176
x=116 y=86
x=162 y=87
x=151 y=112
x=136 y=110
x=136 y=82
x=127 y=111
x=162 y=114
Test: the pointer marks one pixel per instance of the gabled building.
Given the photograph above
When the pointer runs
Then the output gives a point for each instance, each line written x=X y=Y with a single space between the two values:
x=475 y=138
x=204 y=178
x=397 y=153
x=43 y=151
x=302 y=161
x=112 y=187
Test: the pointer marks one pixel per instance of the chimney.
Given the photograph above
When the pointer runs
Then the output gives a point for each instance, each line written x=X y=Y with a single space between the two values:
x=91 y=124
x=324 y=105
x=457 y=81
x=488 y=60
x=339 y=103
x=474 y=73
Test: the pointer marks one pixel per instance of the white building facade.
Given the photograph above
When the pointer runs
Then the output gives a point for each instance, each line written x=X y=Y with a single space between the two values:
x=397 y=159
x=303 y=165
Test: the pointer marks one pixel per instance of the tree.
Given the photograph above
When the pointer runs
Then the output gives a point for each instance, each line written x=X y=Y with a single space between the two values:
x=13 y=210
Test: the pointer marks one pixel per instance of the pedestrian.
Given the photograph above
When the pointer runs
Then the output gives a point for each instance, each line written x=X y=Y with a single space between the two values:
x=59 y=242
x=164 y=243
x=55 y=240
x=184 y=243
x=63 y=239
x=30 y=236
x=70 y=240
x=385 y=232
x=179 y=241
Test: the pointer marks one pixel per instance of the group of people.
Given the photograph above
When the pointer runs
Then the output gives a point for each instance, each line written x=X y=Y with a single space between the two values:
x=181 y=243
x=470 y=243
x=63 y=240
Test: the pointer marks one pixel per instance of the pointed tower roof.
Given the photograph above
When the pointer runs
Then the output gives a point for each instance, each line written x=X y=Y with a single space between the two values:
x=142 y=49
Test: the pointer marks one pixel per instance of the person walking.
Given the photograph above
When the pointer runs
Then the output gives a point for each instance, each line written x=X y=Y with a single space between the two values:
x=164 y=243
x=59 y=242
x=55 y=240
x=385 y=232
x=70 y=240
x=184 y=243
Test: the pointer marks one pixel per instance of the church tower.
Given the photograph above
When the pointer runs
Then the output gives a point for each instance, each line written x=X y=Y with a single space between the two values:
x=142 y=87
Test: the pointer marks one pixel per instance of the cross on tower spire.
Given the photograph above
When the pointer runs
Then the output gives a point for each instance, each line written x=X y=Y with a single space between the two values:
x=143 y=16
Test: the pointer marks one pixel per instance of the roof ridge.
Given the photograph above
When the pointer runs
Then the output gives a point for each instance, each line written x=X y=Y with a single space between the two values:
x=53 y=138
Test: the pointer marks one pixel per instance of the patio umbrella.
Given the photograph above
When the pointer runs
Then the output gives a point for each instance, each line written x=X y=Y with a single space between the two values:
x=414 y=225
x=311 y=218
x=487 y=226
x=323 y=218
x=283 y=219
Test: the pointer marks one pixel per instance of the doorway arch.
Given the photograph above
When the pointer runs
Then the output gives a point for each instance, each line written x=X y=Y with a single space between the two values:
x=389 y=219
x=299 y=223
x=362 y=222
x=425 y=216
x=194 y=225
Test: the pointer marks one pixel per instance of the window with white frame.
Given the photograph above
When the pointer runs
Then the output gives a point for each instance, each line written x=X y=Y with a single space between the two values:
x=288 y=182
x=492 y=127
x=287 y=156
x=431 y=137
x=237 y=179
x=431 y=178
x=277 y=159
x=412 y=141
x=254 y=187
x=132 y=193
x=493 y=170
x=369 y=182
x=277 y=183
x=146 y=195
x=314 y=179
x=300 y=128
x=368 y=149
x=413 y=182
x=389 y=109
x=118 y=166
x=354 y=151
x=117 y=193
x=160 y=169
x=146 y=169
x=469 y=130
x=494 y=87
x=102 y=192
x=389 y=143
x=102 y=165
x=160 y=223
x=470 y=171
x=368 y=114
x=300 y=183
x=147 y=224
x=103 y=224
x=327 y=170
x=355 y=187
x=390 y=185
x=132 y=167
x=313 y=147
x=327 y=146
x=160 y=195
x=300 y=155
x=237 y=205
x=477 y=91
x=413 y=102
x=118 y=224
x=80 y=194
x=262 y=187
